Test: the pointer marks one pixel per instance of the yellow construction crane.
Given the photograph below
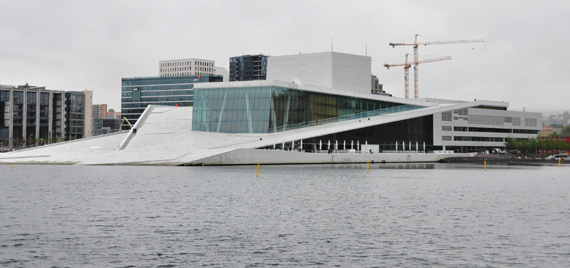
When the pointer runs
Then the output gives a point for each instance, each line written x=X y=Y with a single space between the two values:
x=125 y=119
x=416 y=44
x=407 y=66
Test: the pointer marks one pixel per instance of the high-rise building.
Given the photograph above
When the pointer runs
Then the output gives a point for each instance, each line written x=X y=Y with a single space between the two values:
x=79 y=114
x=139 y=92
x=186 y=67
x=248 y=67
x=31 y=116
x=100 y=111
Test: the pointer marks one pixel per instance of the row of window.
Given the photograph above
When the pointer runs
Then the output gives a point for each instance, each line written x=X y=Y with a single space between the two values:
x=184 y=74
x=153 y=99
x=491 y=130
x=160 y=93
x=186 y=63
x=487 y=119
x=475 y=139
x=176 y=69
x=156 y=81
x=19 y=95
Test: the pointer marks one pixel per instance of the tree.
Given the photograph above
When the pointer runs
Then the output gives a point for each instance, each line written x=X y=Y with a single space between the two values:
x=512 y=144
x=566 y=131
x=532 y=146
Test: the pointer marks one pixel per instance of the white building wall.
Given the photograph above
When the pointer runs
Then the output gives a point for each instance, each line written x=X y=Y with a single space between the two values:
x=483 y=118
x=351 y=72
x=306 y=69
x=326 y=69
x=223 y=72
x=183 y=67
x=88 y=114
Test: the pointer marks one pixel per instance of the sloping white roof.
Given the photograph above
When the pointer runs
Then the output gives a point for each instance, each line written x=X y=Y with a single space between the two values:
x=166 y=138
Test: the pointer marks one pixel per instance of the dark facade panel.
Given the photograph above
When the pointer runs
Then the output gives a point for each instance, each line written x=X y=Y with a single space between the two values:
x=412 y=130
x=248 y=68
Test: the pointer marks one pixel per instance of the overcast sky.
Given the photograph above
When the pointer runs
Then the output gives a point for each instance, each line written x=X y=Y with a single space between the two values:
x=77 y=45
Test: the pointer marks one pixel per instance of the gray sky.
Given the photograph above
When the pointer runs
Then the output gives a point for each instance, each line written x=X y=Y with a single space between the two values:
x=77 y=45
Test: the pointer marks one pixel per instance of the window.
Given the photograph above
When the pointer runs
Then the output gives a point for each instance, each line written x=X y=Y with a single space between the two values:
x=446 y=116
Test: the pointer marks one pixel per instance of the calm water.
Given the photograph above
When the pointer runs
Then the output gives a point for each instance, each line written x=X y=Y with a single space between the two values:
x=421 y=215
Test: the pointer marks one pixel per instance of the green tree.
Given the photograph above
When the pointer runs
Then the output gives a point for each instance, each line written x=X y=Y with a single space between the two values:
x=566 y=131
x=512 y=144
x=532 y=146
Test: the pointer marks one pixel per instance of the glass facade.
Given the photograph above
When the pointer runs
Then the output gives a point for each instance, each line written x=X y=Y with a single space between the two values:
x=4 y=119
x=139 y=92
x=75 y=110
x=272 y=109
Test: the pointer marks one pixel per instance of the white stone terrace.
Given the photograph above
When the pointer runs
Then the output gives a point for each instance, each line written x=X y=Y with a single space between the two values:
x=165 y=137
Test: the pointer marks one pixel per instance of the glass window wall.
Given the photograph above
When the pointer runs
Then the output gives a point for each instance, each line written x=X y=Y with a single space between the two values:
x=273 y=109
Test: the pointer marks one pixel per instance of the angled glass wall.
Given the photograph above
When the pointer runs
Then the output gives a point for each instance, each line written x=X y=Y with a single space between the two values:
x=273 y=109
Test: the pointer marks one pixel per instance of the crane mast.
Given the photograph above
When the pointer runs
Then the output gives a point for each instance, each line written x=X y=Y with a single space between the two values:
x=407 y=66
x=416 y=62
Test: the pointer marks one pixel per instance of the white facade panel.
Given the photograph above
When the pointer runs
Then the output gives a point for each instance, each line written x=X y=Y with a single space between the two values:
x=351 y=72
x=456 y=124
x=306 y=69
x=334 y=70
x=185 y=67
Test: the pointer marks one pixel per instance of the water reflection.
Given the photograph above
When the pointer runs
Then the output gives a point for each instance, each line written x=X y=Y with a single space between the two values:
x=410 y=215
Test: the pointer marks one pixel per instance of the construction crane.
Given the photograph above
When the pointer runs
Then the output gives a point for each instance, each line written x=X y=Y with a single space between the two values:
x=416 y=44
x=125 y=119
x=407 y=66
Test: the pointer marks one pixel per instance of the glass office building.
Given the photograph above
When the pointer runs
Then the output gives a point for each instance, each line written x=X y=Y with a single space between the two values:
x=139 y=92
x=266 y=109
x=75 y=115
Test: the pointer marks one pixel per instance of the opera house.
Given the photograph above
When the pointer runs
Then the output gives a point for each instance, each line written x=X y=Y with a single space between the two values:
x=313 y=108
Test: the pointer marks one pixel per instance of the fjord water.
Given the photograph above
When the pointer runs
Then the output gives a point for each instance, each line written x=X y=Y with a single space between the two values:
x=439 y=215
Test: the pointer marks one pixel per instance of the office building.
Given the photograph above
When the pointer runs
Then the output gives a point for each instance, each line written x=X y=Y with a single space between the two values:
x=186 y=67
x=248 y=67
x=79 y=114
x=139 y=92
x=100 y=111
x=32 y=116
